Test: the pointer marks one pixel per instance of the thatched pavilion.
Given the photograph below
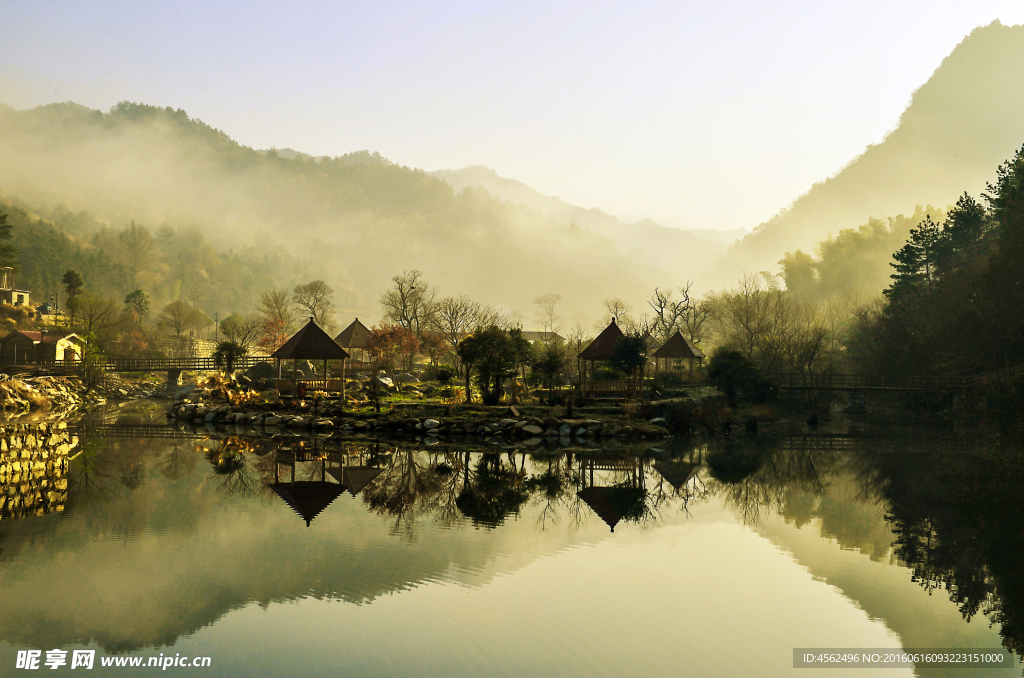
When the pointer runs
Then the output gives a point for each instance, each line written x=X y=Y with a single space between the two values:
x=310 y=343
x=601 y=349
x=354 y=338
x=678 y=348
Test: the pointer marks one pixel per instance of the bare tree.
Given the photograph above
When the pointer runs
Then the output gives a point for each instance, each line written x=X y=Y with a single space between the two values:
x=453 y=319
x=616 y=308
x=313 y=299
x=98 y=315
x=668 y=312
x=242 y=331
x=181 y=317
x=547 y=311
x=409 y=302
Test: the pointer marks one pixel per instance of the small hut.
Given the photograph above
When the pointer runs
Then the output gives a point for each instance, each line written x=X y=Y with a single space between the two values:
x=599 y=350
x=40 y=346
x=310 y=343
x=677 y=350
x=354 y=338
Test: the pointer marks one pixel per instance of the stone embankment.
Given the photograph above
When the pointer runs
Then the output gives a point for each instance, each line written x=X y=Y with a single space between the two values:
x=481 y=424
x=52 y=394
x=33 y=469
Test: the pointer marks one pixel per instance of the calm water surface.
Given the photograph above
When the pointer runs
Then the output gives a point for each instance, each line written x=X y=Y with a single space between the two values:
x=482 y=561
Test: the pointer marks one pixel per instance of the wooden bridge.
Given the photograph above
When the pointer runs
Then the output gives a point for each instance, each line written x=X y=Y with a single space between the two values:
x=199 y=364
x=861 y=382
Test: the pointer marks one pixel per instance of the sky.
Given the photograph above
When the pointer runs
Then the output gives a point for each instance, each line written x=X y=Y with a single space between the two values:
x=696 y=114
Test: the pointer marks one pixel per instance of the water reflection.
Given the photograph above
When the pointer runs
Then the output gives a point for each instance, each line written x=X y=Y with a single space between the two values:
x=220 y=514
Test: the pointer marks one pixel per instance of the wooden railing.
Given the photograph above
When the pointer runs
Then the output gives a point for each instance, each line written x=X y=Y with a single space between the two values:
x=850 y=382
x=611 y=387
x=311 y=385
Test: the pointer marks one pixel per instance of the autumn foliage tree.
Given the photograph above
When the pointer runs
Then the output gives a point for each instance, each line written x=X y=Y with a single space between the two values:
x=390 y=344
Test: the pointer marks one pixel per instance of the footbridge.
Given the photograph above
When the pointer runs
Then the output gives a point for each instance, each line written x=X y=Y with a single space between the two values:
x=862 y=382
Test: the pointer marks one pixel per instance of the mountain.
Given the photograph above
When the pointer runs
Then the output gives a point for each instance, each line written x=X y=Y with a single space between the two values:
x=354 y=220
x=961 y=124
x=684 y=252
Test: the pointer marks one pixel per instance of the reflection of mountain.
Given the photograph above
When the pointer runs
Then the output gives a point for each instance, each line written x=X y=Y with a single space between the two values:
x=127 y=568
x=945 y=516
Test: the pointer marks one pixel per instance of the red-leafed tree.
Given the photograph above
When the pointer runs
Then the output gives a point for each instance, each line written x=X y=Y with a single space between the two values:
x=389 y=344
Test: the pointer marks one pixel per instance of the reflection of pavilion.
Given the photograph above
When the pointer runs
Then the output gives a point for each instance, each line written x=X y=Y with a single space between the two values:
x=356 y=476
x=623 y=501
x=679 y=472
x=308 y=498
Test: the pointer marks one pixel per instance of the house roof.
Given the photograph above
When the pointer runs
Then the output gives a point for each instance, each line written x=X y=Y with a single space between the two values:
x=37 y=336
x=310 y=343
x=353 y=336
x=678 y=346
x=532 y=336
x=602 y=347
x=309 y=498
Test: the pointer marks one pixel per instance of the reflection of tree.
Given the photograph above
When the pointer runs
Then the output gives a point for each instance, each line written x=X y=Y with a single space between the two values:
x=770 y=473
x=552 y=487
x=178 y=463
x=408 y=484
x=958 y=524
x=495 y=491
x=90 y=473
x=234 y=468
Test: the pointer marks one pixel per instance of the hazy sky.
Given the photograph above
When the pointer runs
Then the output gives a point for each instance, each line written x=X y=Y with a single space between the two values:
x=711 y=114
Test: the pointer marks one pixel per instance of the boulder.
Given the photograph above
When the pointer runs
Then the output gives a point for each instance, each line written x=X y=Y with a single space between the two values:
x=260 y=371
x=533 y=429
x=430 y=423
x=564 y=430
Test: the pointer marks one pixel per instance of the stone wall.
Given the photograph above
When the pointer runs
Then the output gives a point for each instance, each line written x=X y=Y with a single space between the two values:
x=33 y=469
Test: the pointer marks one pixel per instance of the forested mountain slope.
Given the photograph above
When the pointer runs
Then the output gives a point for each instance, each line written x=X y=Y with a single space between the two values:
x=354 y=220
x=959 y=125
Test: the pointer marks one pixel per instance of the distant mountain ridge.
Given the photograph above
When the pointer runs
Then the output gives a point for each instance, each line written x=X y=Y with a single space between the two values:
x=688 y=252
x=965 y=120
x=354 y=220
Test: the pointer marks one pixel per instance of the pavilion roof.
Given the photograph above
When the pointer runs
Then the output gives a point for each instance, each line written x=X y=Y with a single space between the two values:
x=353 y=336
x=358 y=477
x=309 y=498
x=678 y=346
x=677 y=473
x=310 y=343
x=611 y=504
x=602 y=347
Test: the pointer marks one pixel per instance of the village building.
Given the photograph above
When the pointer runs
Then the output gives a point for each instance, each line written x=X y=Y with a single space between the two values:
x=40 y=346
x=8 y=294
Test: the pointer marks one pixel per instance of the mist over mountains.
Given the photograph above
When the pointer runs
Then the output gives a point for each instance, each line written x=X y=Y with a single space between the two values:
x=356 y=220
x=960 y=125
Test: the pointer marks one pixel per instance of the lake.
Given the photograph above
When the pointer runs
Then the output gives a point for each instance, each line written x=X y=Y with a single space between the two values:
x=304 y=556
